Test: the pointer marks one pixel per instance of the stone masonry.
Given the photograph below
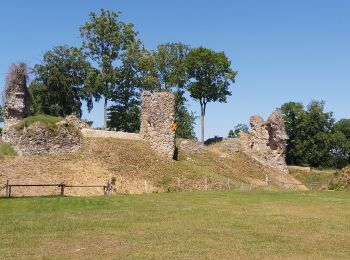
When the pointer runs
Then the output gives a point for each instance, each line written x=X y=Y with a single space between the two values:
x=16 y=95
x=266 y=141
x=157 y=117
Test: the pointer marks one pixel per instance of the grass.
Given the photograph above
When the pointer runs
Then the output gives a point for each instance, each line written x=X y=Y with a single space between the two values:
x=130 y=163
x=307 y=176
x=188 y=225
x=47 y=120
x=6 y=150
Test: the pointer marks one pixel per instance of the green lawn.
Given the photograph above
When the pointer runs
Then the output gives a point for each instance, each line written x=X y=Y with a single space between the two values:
x=188 y=225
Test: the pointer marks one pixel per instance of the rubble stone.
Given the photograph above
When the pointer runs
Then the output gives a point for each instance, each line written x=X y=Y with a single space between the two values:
x=17 y=98
x=266 y=142
x=157 y=117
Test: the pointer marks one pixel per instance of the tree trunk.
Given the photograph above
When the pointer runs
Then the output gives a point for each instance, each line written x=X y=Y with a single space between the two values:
x=202 y=126
x=105 y=114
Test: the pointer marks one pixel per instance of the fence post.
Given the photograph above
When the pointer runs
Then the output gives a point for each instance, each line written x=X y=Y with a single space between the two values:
x=242 y=186
x=62 y=188
x=10 y=188
x=178 y=183
x=250 y=188
x=266 y=180
x=146 y=186
x=7 y=188
x=228 y=183
x=205 y=183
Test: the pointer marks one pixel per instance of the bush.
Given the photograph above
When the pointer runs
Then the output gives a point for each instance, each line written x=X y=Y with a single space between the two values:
x=6 y=149
x=48 y=121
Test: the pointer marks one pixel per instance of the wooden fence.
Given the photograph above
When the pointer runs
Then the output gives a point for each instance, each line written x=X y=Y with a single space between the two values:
x=61 y=186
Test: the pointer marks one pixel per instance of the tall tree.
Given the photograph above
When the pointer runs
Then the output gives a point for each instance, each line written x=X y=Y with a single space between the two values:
x=310 y=133
x=167 y=67
x=57 y=88
x=105 y=38
x=341 y=143
x=295 y=120
x=210 y=76
x=2 y=113
x=124 y=114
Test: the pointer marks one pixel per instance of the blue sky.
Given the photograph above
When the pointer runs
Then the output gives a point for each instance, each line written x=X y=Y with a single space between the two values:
x=283 y=50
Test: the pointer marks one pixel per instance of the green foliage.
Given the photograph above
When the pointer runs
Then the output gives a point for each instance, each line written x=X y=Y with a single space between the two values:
x=124 y=114
x=57 y=88
x=210 y=75
x=105 y=38
x=185 y=120
x=2 y=113
x=314 y=137
x=238 y=128
x=6 y=149
x=167 y=71
x=48 y=121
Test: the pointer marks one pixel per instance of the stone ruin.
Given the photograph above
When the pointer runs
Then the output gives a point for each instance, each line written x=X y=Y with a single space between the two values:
x=267 y=140
x=36 y=138
x=157 y=117
x=17 y=98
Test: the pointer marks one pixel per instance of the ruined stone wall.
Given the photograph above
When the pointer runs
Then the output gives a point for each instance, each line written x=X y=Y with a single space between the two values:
x=37 y=139
x=266 y=142
x=157 y=117
x=17 y=98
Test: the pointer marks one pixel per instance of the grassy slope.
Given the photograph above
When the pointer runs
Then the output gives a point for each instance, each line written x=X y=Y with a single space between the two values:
x=307 y=177
x=188 y=225
x=131 y=163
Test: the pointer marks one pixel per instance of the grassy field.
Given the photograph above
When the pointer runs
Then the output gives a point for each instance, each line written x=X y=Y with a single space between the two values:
x=188 y=225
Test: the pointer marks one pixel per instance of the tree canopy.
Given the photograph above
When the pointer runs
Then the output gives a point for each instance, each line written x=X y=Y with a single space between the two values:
x=57 y=88
x=315 y=138
x=210 y=76
x=105 y=38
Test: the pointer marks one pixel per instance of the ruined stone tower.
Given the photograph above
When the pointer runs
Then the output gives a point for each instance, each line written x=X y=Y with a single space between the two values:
x=267 y=141
x=157 y=117
x=17 y=98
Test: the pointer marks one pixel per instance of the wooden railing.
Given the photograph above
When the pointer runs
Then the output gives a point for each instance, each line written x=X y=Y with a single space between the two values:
x=8 y=192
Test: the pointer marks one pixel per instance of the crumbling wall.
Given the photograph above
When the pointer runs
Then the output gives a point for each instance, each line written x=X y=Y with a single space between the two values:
x=37 y=139
x=266 y=142
x=157 y=117
x=17 y=98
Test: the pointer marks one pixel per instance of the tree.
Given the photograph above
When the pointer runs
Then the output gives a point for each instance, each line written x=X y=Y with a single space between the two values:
x=105 y=38
x=2 y=114
x=124 y=114
x=57 y=88
x=341 y=143
x=310 y=134
x=210 y=75
x=295 y=120
x=238 y=129
x=167 y=70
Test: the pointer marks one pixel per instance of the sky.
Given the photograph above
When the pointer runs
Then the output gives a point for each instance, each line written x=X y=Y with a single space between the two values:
x=283 y=50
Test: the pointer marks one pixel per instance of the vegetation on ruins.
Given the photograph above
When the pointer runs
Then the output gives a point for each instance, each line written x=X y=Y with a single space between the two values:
x=210 y=76
x=105 y=39
x=58 y=86
x=315 y=138
x=50 y=122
